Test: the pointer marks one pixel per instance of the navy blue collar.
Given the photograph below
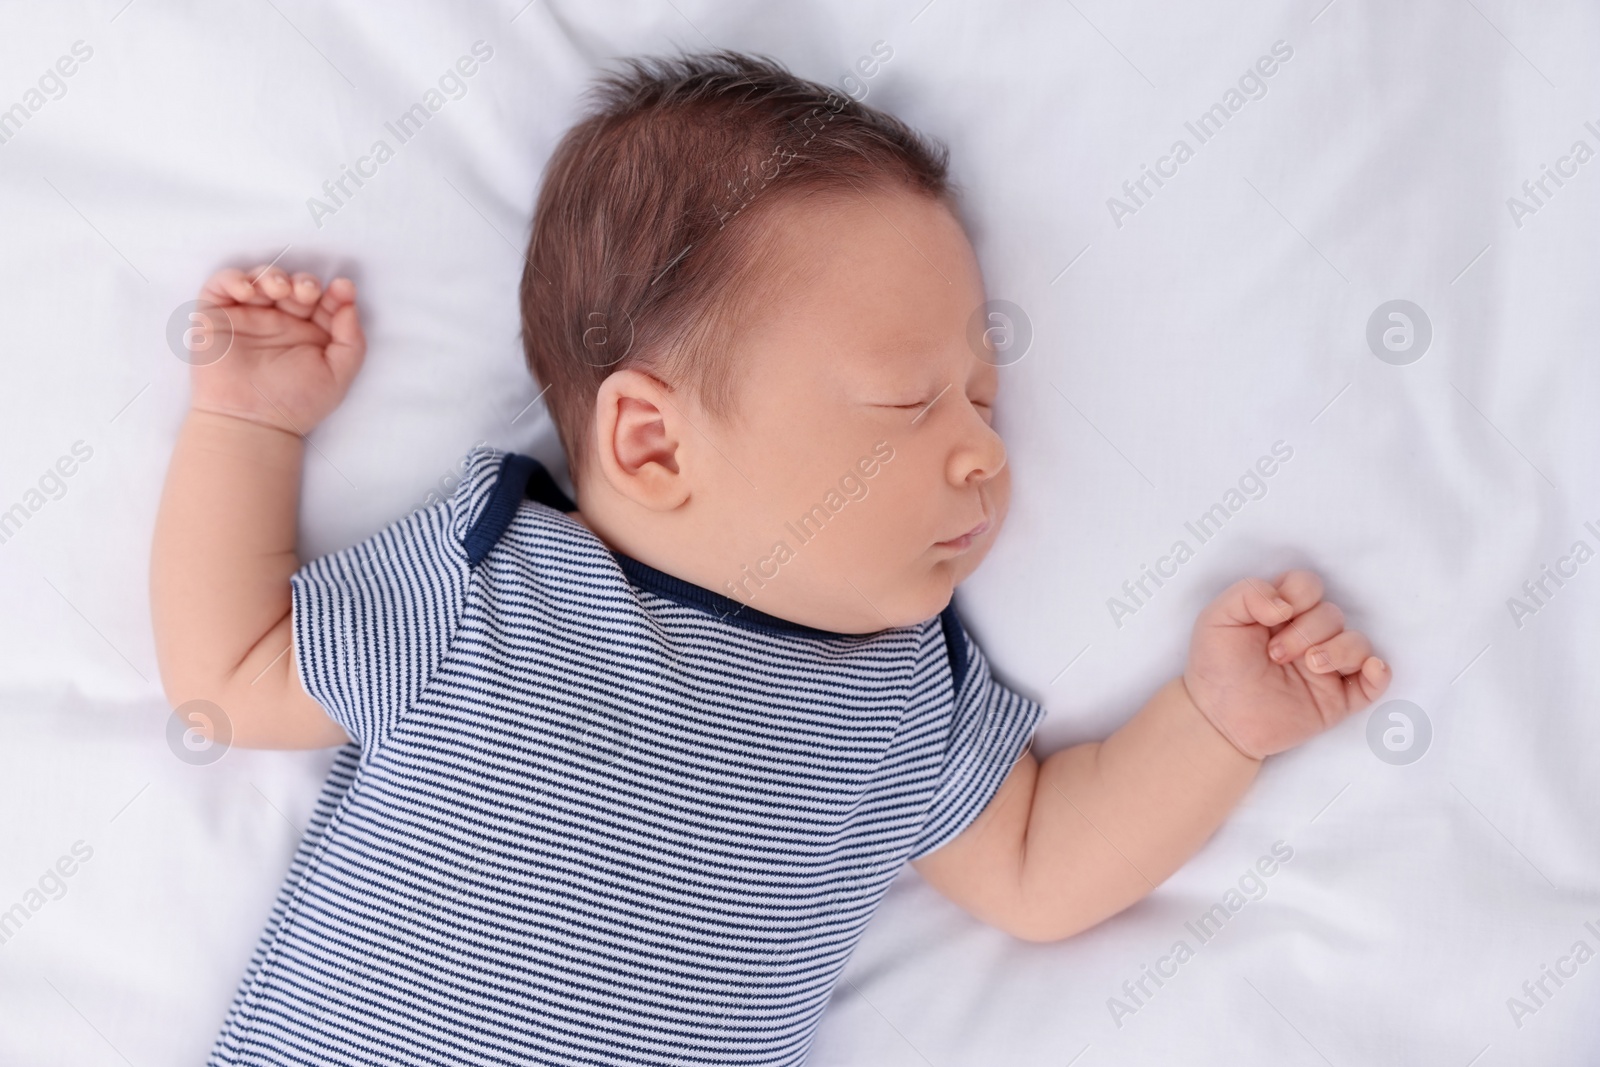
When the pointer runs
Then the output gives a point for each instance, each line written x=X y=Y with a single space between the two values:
x=542 y=488
x=726 y=608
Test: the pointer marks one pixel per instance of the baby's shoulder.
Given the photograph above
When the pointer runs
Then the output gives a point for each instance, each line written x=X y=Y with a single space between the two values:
x=511 y=501
x=477 y=474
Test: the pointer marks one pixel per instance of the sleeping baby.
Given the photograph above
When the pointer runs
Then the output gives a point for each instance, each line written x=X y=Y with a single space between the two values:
x=623 y=778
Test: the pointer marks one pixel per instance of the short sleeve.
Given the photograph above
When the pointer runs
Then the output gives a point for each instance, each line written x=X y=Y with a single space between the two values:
x=990 y=727
x=372 y=622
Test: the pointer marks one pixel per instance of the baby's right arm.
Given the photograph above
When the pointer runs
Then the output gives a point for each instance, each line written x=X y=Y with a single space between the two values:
x=225 y=534
x=1074 y=839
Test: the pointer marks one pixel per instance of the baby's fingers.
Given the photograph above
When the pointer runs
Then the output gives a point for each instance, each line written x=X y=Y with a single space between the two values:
x=271 y=284
x=1302 y=588
x=1367 y=684
x=337 y=314
x=1348 y=658
x=229 y=286
x=1344 y=653
x=1247 y=601
x=1305 y=631
x=339 y=293
x=304 y=291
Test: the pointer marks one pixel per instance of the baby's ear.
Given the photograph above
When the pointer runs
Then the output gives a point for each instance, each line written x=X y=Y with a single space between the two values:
x=639 y=431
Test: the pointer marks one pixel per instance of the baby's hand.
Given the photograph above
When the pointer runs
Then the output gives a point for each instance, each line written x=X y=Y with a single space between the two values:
x=296 y=347
x=1271 y=665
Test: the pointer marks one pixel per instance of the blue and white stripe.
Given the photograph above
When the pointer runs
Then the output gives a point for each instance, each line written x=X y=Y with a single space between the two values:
x=588 y=818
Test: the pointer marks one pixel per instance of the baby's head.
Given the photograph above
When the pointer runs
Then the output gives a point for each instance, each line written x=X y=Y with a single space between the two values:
x=751 y=302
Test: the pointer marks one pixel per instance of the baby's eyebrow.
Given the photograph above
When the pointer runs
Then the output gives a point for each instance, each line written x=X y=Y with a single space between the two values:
x=900 y=343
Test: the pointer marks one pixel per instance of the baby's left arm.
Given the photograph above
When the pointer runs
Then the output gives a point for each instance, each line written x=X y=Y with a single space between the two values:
x=1071 y=841
x=225 y=547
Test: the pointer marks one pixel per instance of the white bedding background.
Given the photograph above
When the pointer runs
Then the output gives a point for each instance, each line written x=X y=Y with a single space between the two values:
x=1175 y=340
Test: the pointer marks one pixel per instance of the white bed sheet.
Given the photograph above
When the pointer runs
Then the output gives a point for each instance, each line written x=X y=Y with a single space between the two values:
x=1226 y=312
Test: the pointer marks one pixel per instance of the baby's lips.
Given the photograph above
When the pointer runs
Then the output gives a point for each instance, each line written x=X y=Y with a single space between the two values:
x=974 y=532
x=969 y=536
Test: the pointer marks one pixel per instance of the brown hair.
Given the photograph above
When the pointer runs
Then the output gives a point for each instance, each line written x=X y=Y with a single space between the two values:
x=646 y=248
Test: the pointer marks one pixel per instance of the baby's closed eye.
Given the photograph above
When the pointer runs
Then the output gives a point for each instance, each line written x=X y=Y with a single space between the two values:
x=925 y=401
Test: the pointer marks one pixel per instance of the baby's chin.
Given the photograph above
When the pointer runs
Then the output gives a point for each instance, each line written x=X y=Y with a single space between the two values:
x=929 y=592
x=927 y=586
x=958 y=567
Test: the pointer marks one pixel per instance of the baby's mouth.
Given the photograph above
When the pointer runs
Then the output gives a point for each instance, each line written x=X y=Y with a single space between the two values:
x=965 y=540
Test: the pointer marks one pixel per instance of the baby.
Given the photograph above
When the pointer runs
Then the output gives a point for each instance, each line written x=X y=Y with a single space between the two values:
x=623 y=780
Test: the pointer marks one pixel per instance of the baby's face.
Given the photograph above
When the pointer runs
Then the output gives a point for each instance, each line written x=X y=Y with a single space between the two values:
x=860 y=479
